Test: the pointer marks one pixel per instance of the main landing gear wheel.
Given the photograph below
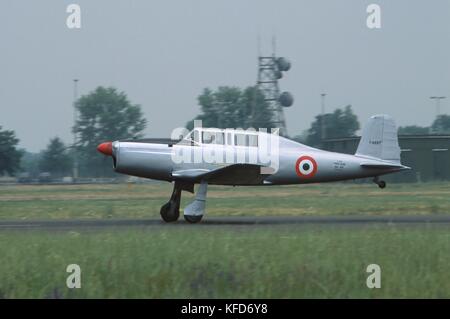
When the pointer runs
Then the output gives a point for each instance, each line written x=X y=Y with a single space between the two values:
x=170 y=211
x=193 y=219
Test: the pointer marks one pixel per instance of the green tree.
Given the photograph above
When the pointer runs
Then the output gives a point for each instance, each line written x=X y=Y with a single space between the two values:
x=104 y=115
x=413 y=130
x=9 y=154
x=29 y=163
x=55 y=159
x=441 y=124
x=232 y=107
x=256 y=110
x=340 y=123
x=301 y=138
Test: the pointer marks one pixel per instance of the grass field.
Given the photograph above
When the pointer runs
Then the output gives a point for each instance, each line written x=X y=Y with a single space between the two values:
x=284 y=261
x=144 y=201
x=273 y=262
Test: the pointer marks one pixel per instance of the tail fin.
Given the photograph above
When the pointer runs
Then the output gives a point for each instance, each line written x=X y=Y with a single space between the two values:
x=379 y=139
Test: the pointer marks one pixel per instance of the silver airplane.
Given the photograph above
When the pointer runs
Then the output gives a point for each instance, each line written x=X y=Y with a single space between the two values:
x=208 y=156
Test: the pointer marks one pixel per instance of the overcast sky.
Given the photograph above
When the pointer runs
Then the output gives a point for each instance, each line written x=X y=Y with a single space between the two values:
x=163 y=53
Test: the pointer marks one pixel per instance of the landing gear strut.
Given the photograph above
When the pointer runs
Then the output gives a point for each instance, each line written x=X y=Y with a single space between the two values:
x=170 y=211
x=194 y=212
x=381 y=184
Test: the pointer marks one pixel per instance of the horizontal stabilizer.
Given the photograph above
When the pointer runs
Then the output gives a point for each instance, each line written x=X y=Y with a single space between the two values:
x=384 y=165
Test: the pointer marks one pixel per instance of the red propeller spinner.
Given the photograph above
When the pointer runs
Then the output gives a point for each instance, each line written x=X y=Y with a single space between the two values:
x=105 y=148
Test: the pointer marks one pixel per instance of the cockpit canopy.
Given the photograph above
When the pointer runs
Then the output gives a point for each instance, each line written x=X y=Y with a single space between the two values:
x=228 y=137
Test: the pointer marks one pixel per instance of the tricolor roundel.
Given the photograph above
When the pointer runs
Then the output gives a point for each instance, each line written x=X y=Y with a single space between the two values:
x=306 y=167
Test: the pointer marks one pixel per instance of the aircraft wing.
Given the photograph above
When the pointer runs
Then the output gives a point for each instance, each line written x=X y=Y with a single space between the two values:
x=188 y=174
x=235 y=174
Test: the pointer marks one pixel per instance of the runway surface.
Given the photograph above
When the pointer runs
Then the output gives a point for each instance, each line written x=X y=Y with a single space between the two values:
x=225 y=221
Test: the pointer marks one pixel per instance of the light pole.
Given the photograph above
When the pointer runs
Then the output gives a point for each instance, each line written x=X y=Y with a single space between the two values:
x=438 y=103
x=322 y=118
x=75 y=159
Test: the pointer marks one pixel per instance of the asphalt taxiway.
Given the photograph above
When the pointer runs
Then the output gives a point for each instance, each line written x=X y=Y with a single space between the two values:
x=80 y=224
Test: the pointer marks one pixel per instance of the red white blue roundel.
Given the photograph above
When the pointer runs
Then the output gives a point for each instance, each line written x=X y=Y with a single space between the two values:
x=306 y=167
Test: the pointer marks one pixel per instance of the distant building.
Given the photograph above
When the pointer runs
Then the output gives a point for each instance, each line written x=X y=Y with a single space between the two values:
x=427 y=155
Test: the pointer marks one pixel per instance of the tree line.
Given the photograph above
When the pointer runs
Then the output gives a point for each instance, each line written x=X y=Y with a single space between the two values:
x=441 y=125
x=106 y=114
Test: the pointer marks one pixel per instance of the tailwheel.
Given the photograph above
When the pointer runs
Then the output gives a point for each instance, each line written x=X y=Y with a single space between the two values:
x=192 y=218
x=381 y=184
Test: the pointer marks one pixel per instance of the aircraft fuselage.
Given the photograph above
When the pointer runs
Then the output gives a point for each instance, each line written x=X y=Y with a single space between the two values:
x=155 y=161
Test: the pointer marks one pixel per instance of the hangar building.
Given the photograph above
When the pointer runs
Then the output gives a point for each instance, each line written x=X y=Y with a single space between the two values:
x=427 y=155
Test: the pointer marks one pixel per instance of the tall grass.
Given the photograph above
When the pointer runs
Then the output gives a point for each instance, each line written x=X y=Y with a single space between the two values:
x=228 y=262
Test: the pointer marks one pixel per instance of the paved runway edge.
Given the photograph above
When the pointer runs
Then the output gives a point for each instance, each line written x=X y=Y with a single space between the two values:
x=224 y=221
